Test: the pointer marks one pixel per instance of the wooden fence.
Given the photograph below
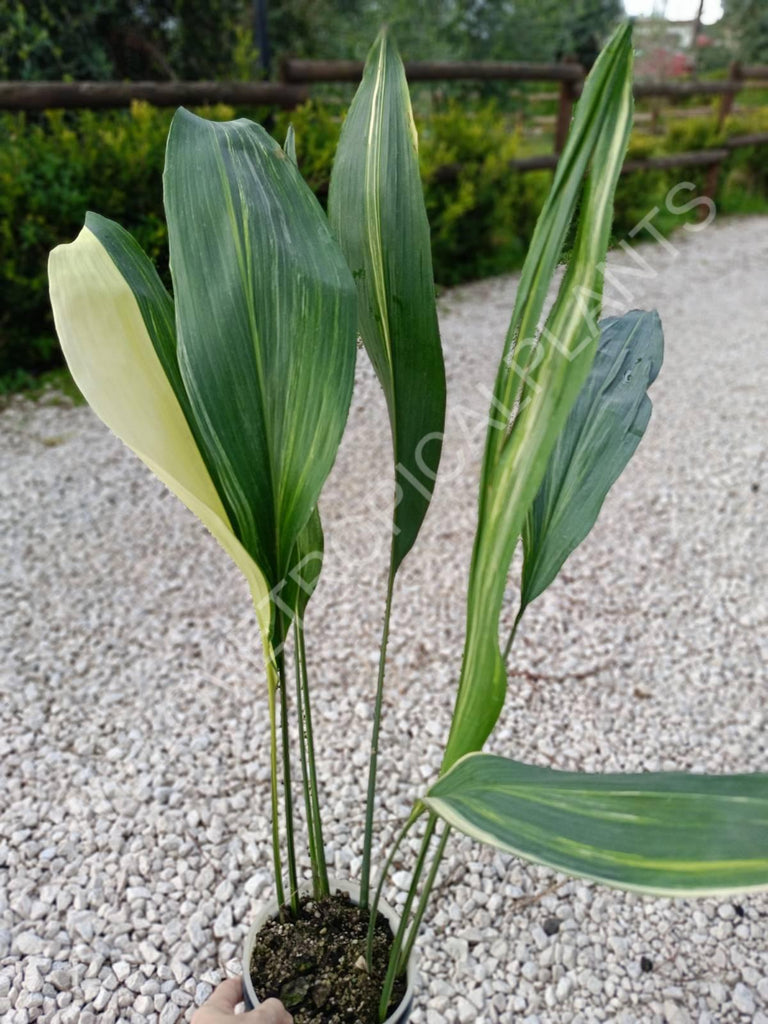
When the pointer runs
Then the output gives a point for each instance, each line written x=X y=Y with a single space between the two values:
x=297 y=77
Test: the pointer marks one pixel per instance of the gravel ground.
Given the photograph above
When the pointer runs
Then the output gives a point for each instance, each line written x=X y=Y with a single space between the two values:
x=135 y=815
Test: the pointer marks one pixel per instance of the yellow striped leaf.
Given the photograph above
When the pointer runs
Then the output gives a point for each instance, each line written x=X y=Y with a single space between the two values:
x=540 y=375
x=668 y=833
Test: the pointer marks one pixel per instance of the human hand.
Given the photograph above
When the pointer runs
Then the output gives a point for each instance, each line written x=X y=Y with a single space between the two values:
x=219 y=1008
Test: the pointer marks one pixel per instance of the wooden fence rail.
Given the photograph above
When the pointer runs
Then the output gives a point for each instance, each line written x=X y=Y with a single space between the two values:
x=298 y=75
x=103 y=95
x=293 y=70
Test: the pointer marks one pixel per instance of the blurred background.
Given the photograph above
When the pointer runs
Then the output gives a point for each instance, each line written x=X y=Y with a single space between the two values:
x=487 y=144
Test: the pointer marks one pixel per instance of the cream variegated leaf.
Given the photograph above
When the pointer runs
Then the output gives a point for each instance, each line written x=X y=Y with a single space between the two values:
x=113 y=361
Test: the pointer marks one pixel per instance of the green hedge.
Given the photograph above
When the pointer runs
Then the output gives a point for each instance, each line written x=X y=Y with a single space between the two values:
x=55 y=167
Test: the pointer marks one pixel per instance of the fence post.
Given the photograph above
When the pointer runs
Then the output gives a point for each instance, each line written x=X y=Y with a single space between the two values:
x=564 y=109
x=710 y=187
x=736 y=75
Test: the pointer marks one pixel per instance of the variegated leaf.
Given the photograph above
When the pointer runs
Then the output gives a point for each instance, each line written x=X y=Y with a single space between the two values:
x=669 y=833
x=114 y=322
x=540 y=376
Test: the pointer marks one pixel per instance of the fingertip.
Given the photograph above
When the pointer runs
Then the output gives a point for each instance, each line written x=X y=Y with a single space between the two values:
x=228 y=994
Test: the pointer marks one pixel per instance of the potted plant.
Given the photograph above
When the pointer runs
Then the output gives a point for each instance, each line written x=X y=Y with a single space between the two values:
x=235 y=393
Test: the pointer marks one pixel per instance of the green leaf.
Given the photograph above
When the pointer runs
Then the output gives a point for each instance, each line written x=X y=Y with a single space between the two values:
x=540 y=376
x=376 y=209
x=112 y=317
x=668 y=833
x=600 y=436
x=265 y=315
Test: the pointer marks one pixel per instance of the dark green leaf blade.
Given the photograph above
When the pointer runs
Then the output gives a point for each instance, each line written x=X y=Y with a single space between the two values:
x=376 y=208
x=668 y=833
x=600 y=436
x=265 y=314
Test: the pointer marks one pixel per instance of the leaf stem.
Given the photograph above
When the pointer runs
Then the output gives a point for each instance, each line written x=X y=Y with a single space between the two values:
x=293 y=878
x=374 y=909
x=512 y=633
x=272 y=685
x=424 y=899
x=314 y=820
x=365 y=874
x=393 y=968
x=305 y=769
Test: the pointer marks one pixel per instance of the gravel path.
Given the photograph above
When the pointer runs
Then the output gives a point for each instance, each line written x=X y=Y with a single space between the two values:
x=135 y=802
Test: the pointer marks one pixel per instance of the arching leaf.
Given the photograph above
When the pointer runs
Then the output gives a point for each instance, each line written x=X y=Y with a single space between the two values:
x=541 y=375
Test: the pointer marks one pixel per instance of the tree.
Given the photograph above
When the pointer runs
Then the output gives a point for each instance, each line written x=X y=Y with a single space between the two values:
x=453 y=29
x=748 y=21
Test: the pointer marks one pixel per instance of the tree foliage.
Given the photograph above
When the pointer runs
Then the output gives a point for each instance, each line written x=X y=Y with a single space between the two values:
x=748 y=21
x=119 y=39
x=454 y=29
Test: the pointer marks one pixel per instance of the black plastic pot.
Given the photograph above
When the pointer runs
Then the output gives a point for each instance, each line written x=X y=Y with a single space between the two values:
x=403 y=1011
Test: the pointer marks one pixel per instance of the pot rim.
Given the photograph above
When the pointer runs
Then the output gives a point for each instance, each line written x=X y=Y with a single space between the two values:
x=352 y=888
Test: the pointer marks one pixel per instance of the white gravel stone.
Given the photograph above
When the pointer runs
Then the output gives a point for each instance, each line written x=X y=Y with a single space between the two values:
x=202 y=992
x=29 y=944
x=223 y=923
x=743 y=999
x=563 y=989
x=196 y=931
x=180 y=971
x=675 y=1014
x=121 y=970
x=466 y=1011
x=143 y=1004
x=134 y=981
x=149 y=953
x=135 y=813
x=170 y=1013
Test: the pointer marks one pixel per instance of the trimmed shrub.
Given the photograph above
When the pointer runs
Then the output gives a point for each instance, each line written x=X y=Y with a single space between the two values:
x=52 y=170
x=55 y=167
